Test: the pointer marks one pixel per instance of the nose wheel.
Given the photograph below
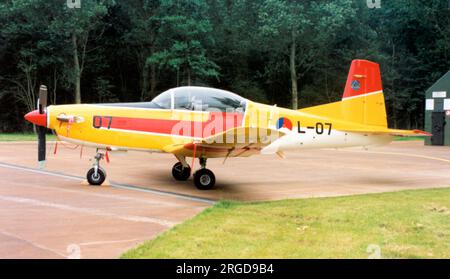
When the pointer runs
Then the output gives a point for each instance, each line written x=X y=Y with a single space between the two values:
x=96 y=175
x=96 y=178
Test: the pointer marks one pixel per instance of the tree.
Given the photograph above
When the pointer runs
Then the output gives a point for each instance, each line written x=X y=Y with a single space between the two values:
x=237 y=47
x=77 y=27
x=131 y=50
x=187 y=32
x=145 y=18
x=415 y=48
x=23 y=26
x=301 y=32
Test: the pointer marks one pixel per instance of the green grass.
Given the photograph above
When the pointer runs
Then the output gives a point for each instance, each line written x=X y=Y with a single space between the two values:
x=22 y=137
x=409 y=138
x=407 y=224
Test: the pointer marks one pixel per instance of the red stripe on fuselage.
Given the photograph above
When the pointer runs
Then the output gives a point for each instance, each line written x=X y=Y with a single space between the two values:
x=218 y=122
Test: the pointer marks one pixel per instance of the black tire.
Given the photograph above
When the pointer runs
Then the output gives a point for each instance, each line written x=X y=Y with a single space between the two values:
x=96 y=180
x=204 y=179
x=181 y=173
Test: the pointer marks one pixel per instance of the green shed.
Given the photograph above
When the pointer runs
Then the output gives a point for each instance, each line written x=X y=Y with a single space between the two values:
x=437 y=112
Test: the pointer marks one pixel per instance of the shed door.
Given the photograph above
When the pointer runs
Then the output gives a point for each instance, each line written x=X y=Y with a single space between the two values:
x=438 y=123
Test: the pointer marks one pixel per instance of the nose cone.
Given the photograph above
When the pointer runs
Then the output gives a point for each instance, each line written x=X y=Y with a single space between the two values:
x=36 y=118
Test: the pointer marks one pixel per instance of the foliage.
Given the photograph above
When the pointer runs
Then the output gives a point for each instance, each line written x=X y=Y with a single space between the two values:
x=269 y=50
x=186 y=33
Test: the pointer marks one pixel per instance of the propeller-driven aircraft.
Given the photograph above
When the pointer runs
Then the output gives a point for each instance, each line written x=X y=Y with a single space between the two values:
x=203 y=123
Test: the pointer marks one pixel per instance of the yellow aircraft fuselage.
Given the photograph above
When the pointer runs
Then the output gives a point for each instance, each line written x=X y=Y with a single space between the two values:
x=130 y=128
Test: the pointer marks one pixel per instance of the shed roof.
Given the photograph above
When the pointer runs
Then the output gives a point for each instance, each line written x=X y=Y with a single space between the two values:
x=443 y=84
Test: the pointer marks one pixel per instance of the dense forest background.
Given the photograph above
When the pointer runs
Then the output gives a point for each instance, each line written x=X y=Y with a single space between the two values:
x=290 y=53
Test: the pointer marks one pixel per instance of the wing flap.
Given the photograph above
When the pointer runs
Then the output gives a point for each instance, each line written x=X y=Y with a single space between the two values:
x=243 y=136
x=237 y=142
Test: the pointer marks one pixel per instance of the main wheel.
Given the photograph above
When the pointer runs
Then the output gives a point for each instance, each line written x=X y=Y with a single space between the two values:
x=204 y=179
x=181 y=173
x=96 y=179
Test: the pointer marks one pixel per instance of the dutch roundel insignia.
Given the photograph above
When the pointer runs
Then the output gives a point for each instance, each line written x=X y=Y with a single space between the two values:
x=284 y=123
x=356 y=85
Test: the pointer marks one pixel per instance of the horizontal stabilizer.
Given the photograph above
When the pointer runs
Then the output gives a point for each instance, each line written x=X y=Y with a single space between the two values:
x=392 y=132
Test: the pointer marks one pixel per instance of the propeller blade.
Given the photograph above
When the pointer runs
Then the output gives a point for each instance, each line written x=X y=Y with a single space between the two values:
x=42 y=141
x=42 y=104
x=42 y=145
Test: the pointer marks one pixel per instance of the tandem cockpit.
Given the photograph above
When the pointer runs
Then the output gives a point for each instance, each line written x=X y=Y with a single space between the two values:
x=199 y=99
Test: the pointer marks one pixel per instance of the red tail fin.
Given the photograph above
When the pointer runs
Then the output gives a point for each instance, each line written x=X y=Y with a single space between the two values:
x=363 y=100
x=364 y=77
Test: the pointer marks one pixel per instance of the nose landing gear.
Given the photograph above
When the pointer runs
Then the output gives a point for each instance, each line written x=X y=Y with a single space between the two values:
x=96 y=175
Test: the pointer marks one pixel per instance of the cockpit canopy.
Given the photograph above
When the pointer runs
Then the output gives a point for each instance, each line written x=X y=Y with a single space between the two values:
x=200 y=99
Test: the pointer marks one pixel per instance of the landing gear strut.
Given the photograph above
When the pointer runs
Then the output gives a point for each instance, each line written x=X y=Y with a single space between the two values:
x=96 y=175
x=204 y=179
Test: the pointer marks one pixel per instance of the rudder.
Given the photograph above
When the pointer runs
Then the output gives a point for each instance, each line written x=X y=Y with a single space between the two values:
x=363 y=99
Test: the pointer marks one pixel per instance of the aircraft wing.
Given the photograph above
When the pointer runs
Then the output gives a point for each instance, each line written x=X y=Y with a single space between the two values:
x=237 y=142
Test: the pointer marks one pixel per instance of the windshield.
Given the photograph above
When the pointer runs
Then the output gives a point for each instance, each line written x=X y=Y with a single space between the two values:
x=163 y=100
x=200 y=99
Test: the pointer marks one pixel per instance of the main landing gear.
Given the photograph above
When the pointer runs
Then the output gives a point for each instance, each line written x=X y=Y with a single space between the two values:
x=204 y=179
x=96 y=175
x=180 y=172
